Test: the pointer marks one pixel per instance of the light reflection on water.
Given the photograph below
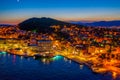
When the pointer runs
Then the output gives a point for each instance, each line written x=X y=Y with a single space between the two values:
x=14 y=67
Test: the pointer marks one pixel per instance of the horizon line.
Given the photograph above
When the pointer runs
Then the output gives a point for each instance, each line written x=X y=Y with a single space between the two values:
x=13 y=22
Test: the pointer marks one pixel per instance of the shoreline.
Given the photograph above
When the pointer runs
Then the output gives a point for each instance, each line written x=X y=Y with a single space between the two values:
x=77 y=61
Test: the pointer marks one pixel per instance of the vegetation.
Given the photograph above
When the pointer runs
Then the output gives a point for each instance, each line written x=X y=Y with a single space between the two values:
x=41 y=24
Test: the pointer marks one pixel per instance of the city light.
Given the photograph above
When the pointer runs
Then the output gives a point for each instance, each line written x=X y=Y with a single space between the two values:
x=100 y=51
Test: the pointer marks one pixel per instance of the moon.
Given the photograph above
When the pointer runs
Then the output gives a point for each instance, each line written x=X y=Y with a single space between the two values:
x=18 y=0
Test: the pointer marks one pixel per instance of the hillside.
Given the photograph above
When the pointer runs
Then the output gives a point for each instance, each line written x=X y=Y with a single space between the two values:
x=41 y=24
x=100 y=23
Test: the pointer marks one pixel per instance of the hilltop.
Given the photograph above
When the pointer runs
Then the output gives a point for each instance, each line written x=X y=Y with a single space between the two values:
x=41 y=24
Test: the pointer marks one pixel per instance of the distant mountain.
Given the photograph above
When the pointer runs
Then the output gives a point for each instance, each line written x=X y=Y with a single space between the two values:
x=101 y=23
x=7 y=25
x=41 y=24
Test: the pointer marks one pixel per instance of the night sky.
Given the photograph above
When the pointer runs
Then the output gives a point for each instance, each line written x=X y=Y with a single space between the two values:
x=15 y=11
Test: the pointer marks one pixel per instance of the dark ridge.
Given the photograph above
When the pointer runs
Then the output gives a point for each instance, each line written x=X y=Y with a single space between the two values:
x=41 y=24
x=100 y=23
x=6 y=25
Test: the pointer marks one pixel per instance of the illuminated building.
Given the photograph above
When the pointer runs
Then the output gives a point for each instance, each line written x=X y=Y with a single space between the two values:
x=45 y=46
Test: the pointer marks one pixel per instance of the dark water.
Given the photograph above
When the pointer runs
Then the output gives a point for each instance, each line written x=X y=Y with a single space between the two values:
x=14 y=67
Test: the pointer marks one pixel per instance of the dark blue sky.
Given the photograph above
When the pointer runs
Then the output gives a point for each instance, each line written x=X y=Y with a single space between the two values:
x=85 y=10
